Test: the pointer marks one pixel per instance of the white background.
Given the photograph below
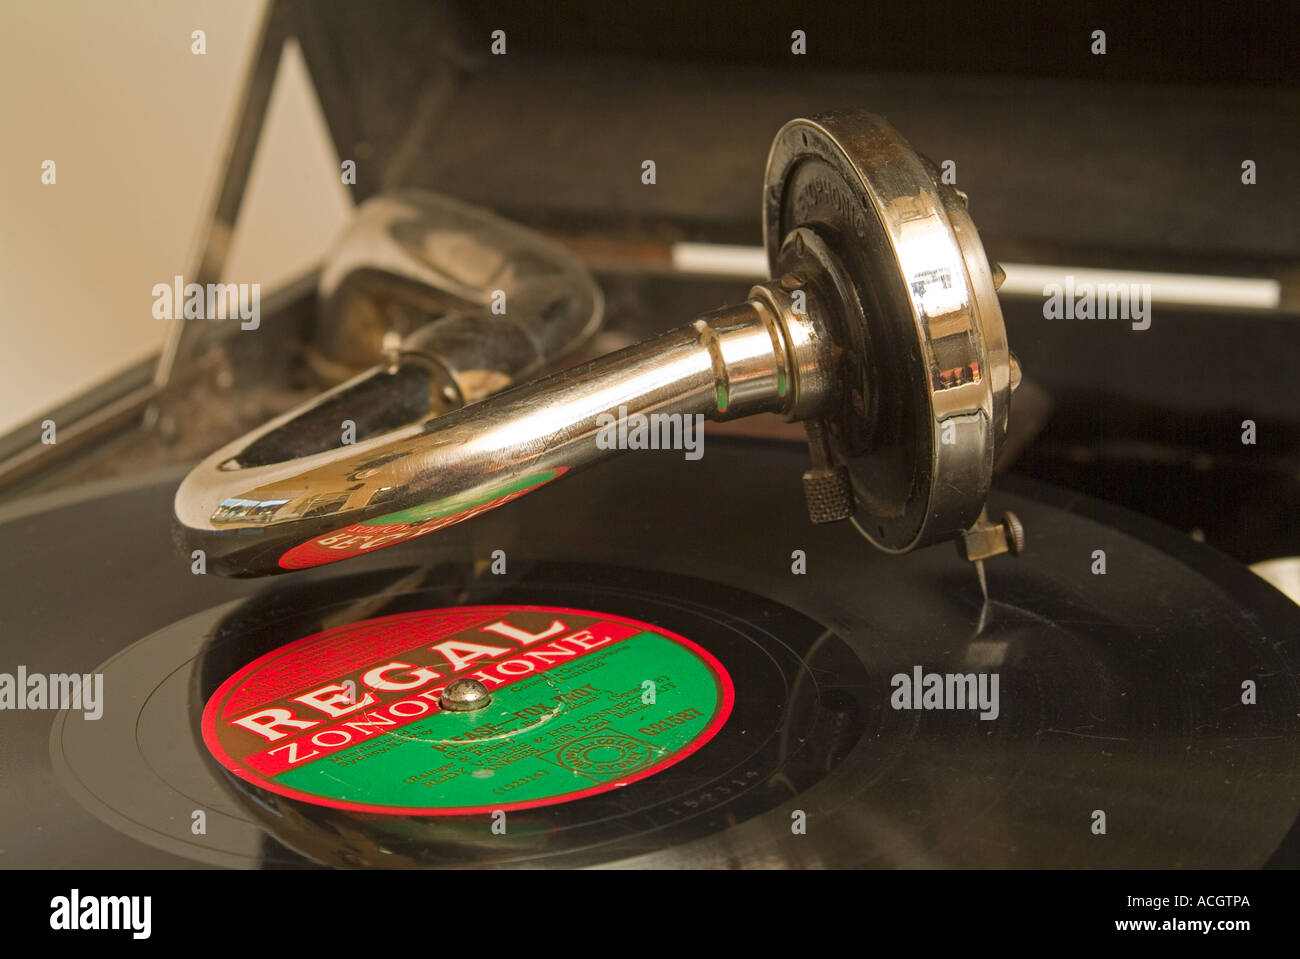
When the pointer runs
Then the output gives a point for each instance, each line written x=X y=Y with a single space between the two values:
x=136 y=124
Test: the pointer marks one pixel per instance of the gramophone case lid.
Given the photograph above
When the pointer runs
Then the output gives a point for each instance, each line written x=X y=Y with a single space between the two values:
x=555 y=129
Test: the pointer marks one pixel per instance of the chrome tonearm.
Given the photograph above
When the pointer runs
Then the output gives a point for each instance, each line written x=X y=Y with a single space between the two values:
x=880 y=330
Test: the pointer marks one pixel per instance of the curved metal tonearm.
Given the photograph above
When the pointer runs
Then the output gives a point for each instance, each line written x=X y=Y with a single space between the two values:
x=881 y=329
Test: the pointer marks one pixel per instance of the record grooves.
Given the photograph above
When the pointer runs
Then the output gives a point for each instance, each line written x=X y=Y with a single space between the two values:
x=1104 y=703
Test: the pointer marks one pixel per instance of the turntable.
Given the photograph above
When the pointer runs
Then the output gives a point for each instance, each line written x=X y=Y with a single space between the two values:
x=555 y=554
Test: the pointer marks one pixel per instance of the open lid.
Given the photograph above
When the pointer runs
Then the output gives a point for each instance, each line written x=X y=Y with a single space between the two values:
x=1068 y=151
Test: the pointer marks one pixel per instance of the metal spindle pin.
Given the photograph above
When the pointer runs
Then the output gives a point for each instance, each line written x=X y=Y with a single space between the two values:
x=464 y=695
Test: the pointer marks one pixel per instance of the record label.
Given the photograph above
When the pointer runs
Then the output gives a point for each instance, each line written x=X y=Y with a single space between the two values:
x=408 y=524
x=581 y=703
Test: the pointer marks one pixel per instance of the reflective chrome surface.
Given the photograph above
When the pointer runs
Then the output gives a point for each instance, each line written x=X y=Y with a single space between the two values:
x=245 y=508
x=490 y=301
x=882 y=324
x=928 y=369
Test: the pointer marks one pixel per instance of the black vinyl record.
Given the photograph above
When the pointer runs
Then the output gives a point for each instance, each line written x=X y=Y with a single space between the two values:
x=1144 y=715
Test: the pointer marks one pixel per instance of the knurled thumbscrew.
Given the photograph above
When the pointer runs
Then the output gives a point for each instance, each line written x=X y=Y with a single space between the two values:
x=826 y=486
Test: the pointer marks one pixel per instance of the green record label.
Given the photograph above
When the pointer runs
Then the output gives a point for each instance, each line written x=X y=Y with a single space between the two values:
x=581 y=703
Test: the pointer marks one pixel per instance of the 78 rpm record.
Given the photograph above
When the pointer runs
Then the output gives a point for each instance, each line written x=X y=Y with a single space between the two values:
x=670 y=686
x=539 y=725
x=607 y=734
